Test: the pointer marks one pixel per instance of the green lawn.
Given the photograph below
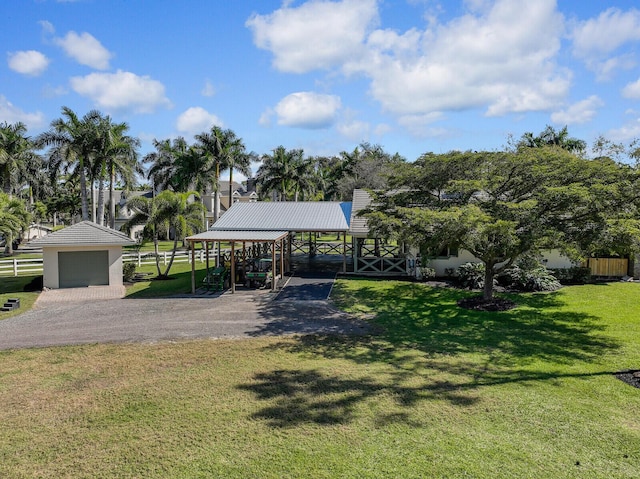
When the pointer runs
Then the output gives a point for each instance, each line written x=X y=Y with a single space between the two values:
x=13 y=287
x=179 y=281
x=437 y=392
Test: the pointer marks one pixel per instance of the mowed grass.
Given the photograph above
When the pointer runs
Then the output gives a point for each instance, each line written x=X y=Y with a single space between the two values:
x=13 y=287
x=179 y=281
x=437 y=392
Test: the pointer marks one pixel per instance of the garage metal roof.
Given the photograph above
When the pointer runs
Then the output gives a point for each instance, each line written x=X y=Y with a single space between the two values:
x=249 y=236
x=286 y=216
x=85 y=233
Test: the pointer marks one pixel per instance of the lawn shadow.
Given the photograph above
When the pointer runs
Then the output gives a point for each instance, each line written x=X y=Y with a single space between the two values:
x=430 y=349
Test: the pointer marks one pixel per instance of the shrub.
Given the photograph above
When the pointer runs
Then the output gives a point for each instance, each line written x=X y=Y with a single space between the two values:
x=427 y=273
x=537 y=278
x=471 y=275
x=573 y=275
x=128 y=270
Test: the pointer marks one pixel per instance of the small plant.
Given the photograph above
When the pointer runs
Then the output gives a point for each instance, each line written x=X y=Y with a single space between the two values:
x=128 y=271
x=471 y=275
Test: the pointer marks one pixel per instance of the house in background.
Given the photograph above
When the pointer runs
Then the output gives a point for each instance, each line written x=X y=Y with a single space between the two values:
x=240 y=194
x=83 y=254
x=373 y=256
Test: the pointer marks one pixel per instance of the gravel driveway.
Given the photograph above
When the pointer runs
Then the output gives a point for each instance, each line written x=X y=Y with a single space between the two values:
x=56 y=323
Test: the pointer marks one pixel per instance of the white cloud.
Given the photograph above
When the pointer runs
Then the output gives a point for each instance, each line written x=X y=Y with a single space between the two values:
x=502 y=59
x=628 y=132
x=596 y=39
x=420 y=125
x=208 y=89
x=603 y=35
x=499 y=55
x=632 y=90
x=47 y=27
x=319 y=34
x=355 y=130
x=12 y=114
x=307 y=110
x=29 y=62
x=266 y=119
x=580 y=112
x=49 y=91
x=122 y=91
x=85 y=49
x=195 y=120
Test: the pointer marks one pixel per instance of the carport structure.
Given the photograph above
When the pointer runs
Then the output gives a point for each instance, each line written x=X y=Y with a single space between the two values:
x=271 y=224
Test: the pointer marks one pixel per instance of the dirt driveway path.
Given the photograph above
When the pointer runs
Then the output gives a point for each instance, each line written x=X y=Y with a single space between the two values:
x=56 y=323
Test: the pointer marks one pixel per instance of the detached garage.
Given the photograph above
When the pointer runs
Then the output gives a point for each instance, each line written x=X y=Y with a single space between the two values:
x=84 y=254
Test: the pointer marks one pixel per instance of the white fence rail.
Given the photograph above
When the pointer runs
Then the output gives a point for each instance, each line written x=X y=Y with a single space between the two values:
x=17 y=267
x=23 y=267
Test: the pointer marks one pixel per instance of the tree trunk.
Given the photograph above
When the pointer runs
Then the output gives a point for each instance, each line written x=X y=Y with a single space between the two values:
x=100 y=213
x=112 y=205
x=83 y=193
x=487 y=292
x=173 y=255
x=155 y=247
x=230 y=188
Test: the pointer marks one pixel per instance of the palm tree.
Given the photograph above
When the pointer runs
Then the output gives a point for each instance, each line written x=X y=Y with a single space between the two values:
x=550 y=137
x=14 y=219
x=18 y=160
x=169 y=210
x=274 y=175
x=118 y=158
x=214 y=148
x=180 y=216
x=162 y=172
x=286 y=173
x=235 y=158
x=74 y=142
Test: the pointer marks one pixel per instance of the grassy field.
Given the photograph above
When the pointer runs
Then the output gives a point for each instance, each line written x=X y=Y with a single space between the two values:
x=437 y=392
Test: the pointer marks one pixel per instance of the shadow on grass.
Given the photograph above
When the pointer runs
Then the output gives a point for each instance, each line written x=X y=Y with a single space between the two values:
x=177 y=283
x=299 y=396
x=427 y=348
x=411 y=316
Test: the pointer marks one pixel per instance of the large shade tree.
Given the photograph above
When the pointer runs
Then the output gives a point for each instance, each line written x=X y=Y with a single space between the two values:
x=501 y=205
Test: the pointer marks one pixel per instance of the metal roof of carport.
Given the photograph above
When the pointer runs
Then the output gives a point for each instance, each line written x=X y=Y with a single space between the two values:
x=239 y=236
x=286 y=216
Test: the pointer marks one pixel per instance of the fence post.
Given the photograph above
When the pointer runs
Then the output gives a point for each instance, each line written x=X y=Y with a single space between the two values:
x=15 y=267
x=139 y=259
x=165 y=258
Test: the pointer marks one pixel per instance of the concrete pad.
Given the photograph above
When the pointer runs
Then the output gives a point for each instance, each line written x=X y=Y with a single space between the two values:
x=73 y=295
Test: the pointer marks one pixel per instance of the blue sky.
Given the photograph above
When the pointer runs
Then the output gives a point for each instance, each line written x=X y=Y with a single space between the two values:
x=411 y=75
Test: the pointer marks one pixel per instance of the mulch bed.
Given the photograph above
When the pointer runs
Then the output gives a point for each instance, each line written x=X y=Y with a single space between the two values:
x=632 y=377
x=478 y=303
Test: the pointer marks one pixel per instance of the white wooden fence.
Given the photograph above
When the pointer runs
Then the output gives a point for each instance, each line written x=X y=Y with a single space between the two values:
x=21 y=267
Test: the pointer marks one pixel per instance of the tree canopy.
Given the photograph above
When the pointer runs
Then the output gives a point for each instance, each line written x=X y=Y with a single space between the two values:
x=501 y=205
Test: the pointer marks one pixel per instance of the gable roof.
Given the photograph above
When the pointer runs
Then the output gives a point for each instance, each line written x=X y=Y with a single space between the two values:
x=286 y=216
x=85 y=233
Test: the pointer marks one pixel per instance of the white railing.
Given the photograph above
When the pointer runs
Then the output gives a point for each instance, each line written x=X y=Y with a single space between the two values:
x=17 y=267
